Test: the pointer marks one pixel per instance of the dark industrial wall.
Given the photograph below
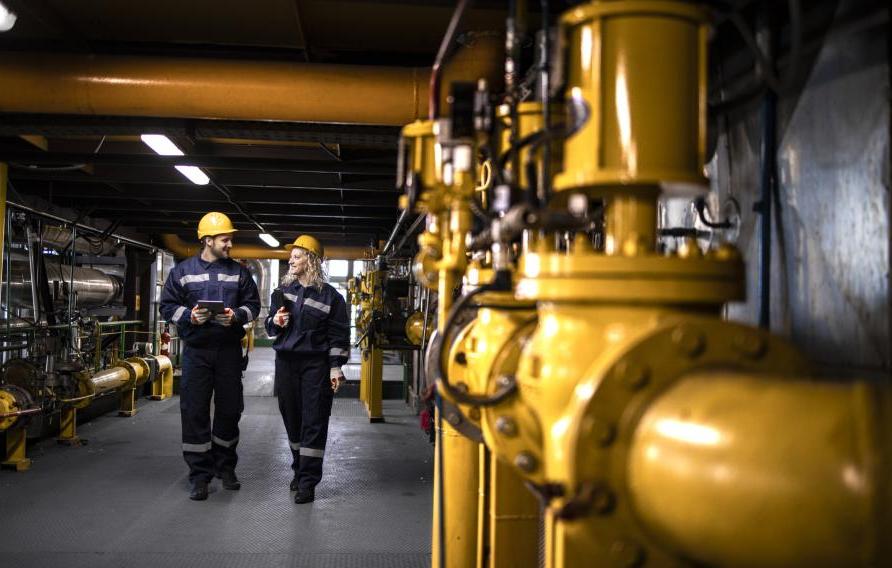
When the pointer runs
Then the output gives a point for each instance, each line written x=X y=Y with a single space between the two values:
x=830 y=249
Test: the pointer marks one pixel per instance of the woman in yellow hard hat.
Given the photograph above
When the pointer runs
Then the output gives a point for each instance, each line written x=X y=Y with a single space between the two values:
x=312 y=341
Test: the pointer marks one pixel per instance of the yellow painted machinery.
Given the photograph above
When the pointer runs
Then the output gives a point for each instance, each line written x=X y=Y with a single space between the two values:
x=368 y=294
x=68 y=389
x=382 y=324
x=597 y=371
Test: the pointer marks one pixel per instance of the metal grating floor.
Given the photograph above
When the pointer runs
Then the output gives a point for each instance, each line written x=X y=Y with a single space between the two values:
x=122 y=499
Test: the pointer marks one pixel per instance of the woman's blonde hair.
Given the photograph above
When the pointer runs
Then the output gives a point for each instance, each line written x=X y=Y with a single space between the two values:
x=316 y=275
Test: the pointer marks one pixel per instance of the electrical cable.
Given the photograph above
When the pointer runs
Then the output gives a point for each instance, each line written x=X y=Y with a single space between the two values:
x=445 y=45
x=700 y=206
x=501 y=282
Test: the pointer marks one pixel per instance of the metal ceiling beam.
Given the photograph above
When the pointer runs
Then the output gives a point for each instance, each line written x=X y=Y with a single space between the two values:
x=266 y=219
x=194 y=194
x=15 y=124
x=211 y=162
x=263 y=209
x=229 y=178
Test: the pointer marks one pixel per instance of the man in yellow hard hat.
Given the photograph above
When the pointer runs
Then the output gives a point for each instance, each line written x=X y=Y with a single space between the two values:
x=209 y=297
x=312 y=341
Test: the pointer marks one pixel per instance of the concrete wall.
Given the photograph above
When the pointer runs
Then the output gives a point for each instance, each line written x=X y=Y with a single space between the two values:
x=830 y=253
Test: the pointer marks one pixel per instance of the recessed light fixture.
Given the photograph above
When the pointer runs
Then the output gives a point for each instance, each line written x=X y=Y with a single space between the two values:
x=269 y=239
x=163 y=146
x=7 y=18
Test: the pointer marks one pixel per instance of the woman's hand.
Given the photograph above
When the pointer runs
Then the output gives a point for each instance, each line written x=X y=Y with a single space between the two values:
x=337 y=379
x=282 y=317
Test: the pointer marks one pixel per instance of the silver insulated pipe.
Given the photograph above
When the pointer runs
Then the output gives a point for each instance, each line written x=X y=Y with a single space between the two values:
x=91 y=287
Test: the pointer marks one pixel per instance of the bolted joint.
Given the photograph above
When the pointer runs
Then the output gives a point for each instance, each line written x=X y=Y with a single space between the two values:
x=603 y=432
x=506 y=426
x=526 y=462
x=749 y=344
x=627 y=554
x=506 y=381
x=688 y=341
x=632 y=375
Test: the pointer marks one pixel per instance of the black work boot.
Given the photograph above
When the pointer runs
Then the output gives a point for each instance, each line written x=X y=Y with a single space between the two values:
x=230 y=481
x=293 y=486
x=199 y=490
x=304 y=496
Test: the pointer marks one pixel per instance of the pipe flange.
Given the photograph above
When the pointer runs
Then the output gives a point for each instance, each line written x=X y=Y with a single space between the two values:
x=154 y=368
x=621 y=392
x=142 y=370
x=14 y=399
x=511 y=428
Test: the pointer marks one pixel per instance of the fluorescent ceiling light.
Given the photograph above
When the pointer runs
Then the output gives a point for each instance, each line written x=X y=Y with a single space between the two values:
x=194 y=174
x=7 y=18
x=163 y=146
x=269 y=239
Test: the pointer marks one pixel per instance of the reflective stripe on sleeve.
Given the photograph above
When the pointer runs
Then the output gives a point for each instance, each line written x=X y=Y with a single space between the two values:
x=247 y=311
x=194 y=278
x=291 y=297
x=179 y=313
x=335 y=352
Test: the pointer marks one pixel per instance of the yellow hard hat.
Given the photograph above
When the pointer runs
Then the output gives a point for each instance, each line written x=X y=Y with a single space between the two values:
x=312 y=244
x=213 y=224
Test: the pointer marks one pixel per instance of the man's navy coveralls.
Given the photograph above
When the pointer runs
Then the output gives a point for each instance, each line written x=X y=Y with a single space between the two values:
x=309 y=352
x=212 y=358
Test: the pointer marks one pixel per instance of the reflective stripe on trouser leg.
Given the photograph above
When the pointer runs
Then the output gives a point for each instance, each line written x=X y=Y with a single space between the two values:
x=317 y=399
x=196 y=386
x=229 y=403
x=287 y=389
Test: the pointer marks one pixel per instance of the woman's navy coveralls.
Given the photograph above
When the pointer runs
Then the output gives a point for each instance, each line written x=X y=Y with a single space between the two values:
x=212 y=358
x=315 y=342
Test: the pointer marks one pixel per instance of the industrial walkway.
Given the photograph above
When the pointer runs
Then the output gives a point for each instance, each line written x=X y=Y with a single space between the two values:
x=122 y=499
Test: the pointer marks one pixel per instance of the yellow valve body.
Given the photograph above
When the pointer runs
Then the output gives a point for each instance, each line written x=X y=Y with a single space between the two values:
x=637 y=84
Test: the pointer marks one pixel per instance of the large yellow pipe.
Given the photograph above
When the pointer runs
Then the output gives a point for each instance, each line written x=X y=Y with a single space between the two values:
x=728 y=469
x=109 y=379
x=213 y=89
x=183 y=249
x=230 y=89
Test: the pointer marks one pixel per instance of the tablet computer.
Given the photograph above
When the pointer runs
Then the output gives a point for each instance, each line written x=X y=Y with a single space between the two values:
x=213 y=306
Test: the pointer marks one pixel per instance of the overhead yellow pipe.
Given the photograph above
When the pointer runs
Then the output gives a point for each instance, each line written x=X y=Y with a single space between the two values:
x=182 y=249
x=209 y=88
x=230 y=89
